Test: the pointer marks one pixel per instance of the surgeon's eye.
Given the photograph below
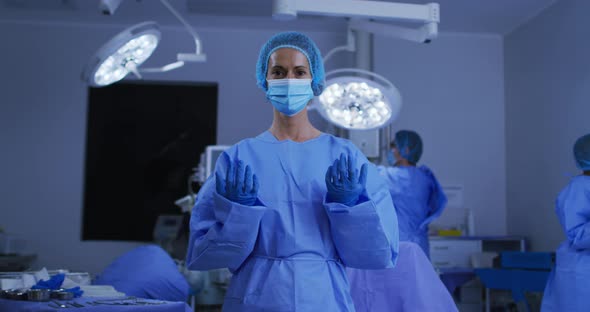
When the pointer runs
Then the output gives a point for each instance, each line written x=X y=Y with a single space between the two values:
x=301 y=73
x=277 y=73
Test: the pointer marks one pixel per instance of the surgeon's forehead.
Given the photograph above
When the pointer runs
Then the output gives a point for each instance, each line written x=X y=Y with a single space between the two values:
x=288 y=57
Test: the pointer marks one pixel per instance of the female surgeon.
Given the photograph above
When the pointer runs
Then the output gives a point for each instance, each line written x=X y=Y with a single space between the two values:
x=417 y=195
x=568 y=286
x=288 y=210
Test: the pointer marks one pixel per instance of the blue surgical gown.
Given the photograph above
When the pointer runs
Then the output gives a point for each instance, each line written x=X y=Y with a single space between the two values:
x=568 y=287
x=418 y=199
x=146 y=272
x=289 y=253
x=412 y=286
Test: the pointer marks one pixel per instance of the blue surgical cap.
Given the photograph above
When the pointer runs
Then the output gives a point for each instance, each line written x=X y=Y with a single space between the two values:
x=297 y=41
x=582 y=152
x=409 y=145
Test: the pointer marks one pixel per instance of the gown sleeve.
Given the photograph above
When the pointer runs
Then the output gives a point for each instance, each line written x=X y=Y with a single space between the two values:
x=366 y=234
x=573 y=207
x=436 y=201
x=222 y=233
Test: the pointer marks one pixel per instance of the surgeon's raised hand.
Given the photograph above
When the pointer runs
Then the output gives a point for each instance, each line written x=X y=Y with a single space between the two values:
x=239 y=184
x=344 y=182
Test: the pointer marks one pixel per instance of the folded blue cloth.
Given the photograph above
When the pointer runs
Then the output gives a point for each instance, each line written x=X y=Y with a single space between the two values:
x=55 y=282
x=76 y=291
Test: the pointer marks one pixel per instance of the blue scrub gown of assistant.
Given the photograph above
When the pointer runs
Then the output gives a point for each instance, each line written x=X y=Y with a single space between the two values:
x=289 y=252
x=146 y=272
x=412 y=286
x=418 y=199
x=568 y=287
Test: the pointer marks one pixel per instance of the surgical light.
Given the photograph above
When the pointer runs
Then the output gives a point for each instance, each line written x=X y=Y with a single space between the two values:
x=122 y=54
x=125 y=53
x=358 y=103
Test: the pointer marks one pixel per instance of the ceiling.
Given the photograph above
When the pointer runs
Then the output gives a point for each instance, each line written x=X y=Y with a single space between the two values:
x=478 y=16
x=471 y=16
x=487 y=16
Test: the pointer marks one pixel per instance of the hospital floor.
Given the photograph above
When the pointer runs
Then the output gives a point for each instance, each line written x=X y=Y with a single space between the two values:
x=502 y=301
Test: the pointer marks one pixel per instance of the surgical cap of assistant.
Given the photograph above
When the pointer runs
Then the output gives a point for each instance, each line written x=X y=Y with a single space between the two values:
x=582 y=152
x=297 y=41
x=409 y=145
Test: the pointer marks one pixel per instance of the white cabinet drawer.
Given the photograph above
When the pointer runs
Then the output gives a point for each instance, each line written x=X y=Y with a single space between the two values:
x=453 y=253
x=452 y=246
x=447 y=261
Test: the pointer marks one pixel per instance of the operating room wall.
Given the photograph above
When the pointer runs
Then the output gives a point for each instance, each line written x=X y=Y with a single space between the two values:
x=453 y=96
x=547 y=90
x=452 y=90
x=43 y=123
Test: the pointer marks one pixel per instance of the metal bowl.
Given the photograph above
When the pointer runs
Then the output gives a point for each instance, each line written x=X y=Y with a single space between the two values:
x=4 y=294
x=17 y=294
x=61 y=294
x=38 y=295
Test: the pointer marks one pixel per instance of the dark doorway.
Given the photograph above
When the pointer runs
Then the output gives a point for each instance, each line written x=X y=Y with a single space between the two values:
x=143 y=139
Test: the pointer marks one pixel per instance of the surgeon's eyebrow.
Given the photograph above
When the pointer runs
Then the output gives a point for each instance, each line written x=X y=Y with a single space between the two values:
x=296 y=67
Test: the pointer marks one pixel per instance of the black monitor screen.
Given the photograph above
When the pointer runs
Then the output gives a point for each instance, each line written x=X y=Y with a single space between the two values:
x=143 y=139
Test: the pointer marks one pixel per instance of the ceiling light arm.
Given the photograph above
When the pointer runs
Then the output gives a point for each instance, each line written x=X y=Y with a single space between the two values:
x=422 y=34
x=425 y=13
x=188 y=27
x=360 y=11
x=181 y=58
x=164 y=68
x=349 y=46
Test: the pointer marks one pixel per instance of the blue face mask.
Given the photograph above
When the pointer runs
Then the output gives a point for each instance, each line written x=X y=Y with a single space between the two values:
x=289 y=96
x=390 y=158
